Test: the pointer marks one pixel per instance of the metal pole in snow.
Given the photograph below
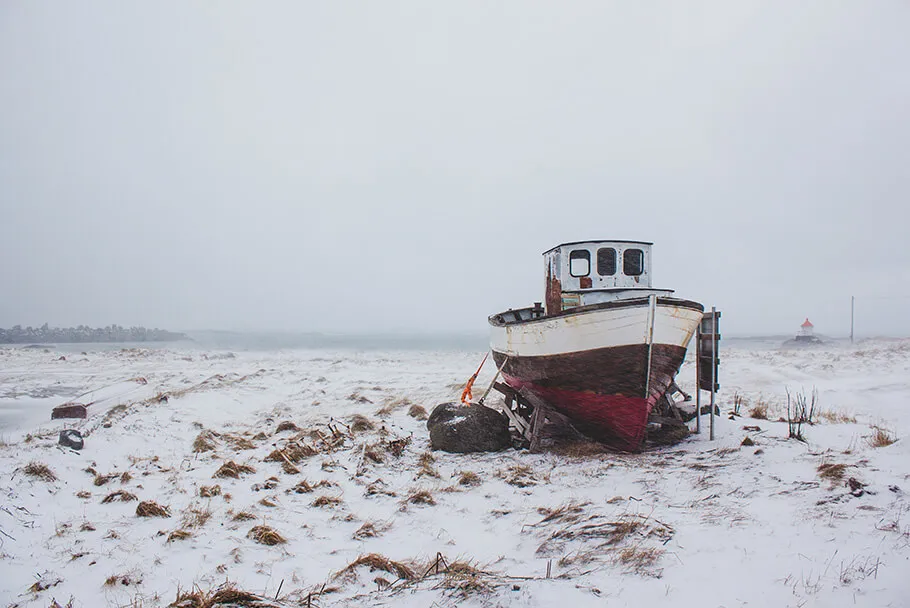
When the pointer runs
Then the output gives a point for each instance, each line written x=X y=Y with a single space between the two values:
x=713 y=364
x=698 y=379
x=852 y=306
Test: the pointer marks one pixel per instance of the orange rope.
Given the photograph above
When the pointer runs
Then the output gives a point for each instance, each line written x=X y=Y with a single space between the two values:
x=466 y=394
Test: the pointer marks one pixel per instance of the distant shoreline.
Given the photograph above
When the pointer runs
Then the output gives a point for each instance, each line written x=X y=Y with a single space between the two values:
x=82 y=334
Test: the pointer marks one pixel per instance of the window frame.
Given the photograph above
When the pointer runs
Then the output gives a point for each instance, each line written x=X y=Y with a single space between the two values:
x=587 y=258
x=641 y=265
x=615 y=264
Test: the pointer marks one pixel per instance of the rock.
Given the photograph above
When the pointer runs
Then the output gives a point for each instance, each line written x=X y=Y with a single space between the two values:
x=475 y=428
x=71 y=438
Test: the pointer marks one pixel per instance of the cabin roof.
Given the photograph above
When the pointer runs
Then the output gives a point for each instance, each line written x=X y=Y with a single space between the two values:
x=807 y=323
x=598 y=241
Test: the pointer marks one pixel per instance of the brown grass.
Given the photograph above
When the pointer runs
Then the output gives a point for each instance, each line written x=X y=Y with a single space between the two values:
x=421 y=497
x=292 y=452
x=360 y=423
x=83 y=494
x=243 y=516
x=204 y=442
x=639 y=559
x=759 y=411
x=396 y=447
x=178 y=535
x=832 y=471
x=836 y=417
x=302 y=487
x=228 y=595
x=374 y=562
x=122 y=579
x=463 y=578
x=426 y=468
x=86 y=527
x=373 y=453
x=233 y=470
x=880 y=438
x=119 y=496
x=747 y=442
x=268 y=502
x=195 y=517
x=239 y=443
x=367 y=530
x=418 y=412
x=209 y=491
x=101 y=480
x=286 y=425
x=39 y=470
x=469 y=479
x=289 y=468
x=326 y=501
x=150 y=508
x=391 y=406
x=518 y=475
x=264 y=535
x=126 y=477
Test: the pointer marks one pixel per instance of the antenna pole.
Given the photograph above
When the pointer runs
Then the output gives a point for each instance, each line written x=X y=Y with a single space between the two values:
x=852 y=307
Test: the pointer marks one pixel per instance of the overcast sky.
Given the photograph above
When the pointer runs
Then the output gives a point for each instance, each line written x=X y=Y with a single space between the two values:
x=380 y=166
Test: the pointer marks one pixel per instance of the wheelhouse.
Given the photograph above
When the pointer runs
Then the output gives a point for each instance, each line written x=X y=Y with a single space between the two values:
x=590 y=272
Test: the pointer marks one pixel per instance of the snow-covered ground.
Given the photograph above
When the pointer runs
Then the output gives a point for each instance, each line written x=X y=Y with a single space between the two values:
x=701 y=523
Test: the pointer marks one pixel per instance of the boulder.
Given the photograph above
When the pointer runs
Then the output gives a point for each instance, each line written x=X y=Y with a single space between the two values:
x=71 y=438
x=468 y=428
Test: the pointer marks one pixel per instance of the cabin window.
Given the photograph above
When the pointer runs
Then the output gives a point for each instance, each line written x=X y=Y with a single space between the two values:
x=580 y=263
x=633 y=262
x=606 y=262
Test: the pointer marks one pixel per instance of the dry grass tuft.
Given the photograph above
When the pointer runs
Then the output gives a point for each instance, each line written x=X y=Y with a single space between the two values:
x=567 y=513
x=292 y=452
x=286 y=425
x=374 y=562
x=639 y=559
x=426 y=468
x=233 y=470
x=373 y=453
x=326 y=501
x=228 y=595
x=126 y=477
x=463 y=578
x=469 y=479
x=83 y=494
x=204 y=442
x=518 y=475
x=243 y=516
x=39 y=470
x=581 y=449
x=831 y=471
x=264 y=535
x=759 y=411
x=391 y=406
x=86 y=527
x=421 y=497
x=836 y=417
x=360 y=423
x=747 y=442
x=209 y=491
x=122 y=579
x=289 y=468
x=101 y=480
x=195 y=517
x=119 y=496
x=396 y=447
x=268 y=502
x=302 y=487
x=880 y=438
x=178 y=535
x=239 y=443
x=367 y=530
x=418 y=412
x=150 y=508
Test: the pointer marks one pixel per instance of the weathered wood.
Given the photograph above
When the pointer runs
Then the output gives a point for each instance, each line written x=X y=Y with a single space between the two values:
x=69 y=410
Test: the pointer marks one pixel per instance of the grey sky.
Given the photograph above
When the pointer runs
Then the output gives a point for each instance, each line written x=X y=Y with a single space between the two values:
x=386 y=166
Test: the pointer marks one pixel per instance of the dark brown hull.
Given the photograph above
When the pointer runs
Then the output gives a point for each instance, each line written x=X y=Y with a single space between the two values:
x=602 y=390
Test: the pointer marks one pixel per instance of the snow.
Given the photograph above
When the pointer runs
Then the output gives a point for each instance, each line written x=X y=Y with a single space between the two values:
x=706 y=523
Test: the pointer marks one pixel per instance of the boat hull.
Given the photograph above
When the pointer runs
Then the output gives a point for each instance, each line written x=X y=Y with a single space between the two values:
x=604 y=367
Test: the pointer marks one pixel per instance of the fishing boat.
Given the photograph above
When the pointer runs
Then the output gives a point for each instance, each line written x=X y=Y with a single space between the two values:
x=604 y=347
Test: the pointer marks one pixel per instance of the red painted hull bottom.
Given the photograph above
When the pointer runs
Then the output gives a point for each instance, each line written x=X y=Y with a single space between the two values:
x=615 y=420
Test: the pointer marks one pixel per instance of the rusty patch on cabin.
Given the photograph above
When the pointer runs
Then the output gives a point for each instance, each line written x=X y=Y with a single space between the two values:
x=553 y=293
x=585 y=282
